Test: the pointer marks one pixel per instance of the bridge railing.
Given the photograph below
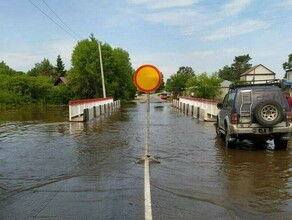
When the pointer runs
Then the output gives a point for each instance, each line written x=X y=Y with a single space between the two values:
x=77 y=107
x=204 y=109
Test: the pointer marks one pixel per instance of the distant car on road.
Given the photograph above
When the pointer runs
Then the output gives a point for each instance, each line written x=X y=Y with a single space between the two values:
x=257 y=112
x=164 y=95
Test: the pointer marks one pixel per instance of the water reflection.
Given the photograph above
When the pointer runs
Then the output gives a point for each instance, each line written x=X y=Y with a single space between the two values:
x=35 y=113
x=258 y=179
x=197 y=173
x=105 y=139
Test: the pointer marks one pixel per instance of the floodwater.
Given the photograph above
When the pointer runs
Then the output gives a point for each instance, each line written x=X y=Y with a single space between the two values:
x=53 y=169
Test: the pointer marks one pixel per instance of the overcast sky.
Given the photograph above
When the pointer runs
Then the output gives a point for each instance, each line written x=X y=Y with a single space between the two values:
x=203 y=34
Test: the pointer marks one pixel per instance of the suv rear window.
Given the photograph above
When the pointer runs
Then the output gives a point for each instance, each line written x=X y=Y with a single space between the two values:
x=259 y=95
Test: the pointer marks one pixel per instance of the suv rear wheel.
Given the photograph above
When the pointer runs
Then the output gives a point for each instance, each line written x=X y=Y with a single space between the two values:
x=268 y=113
x=218 y=132
x=229 y=141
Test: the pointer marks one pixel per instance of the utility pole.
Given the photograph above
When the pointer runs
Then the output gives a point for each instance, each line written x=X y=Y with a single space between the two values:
x=101 y=69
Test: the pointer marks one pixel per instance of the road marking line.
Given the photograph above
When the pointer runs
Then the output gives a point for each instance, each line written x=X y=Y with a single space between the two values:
x=147 y=192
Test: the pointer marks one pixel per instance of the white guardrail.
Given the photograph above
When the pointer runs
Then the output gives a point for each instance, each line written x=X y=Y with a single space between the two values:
x=204 y=109
x=78 y=107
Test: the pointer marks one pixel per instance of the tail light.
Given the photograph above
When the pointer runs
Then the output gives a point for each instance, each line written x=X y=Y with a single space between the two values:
x=234 y=118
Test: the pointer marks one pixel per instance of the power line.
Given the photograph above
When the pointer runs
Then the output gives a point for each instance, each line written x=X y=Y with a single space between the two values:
x=52 y=20
x=60 y=19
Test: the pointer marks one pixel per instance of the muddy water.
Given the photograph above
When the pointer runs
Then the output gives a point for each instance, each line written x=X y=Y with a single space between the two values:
x=44 y=159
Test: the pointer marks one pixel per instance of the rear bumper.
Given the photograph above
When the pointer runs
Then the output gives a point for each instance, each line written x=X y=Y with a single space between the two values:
x=252 y=129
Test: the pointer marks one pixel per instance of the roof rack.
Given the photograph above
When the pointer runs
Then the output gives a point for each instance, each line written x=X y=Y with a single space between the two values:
x=275 y=82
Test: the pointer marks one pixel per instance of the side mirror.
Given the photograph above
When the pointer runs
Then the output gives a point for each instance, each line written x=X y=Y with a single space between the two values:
x=220 y=105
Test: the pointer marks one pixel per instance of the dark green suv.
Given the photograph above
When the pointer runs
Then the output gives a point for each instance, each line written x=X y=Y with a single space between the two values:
x=256 y=112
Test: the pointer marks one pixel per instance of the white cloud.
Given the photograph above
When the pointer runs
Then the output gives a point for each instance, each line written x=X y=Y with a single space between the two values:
x=64 y=48
x=20 y=61
x=203 y=54
x=176 y=18
x=234 y=7
x=26 y=58
x=286 y=3
x=200 y=23
x=238 y=29
x=154 y=4
x=201 y=61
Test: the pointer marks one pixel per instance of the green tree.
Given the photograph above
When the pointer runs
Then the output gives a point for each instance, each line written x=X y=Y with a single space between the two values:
x=287 y=65
x=84 y=76
x=17 y=88
x=60 y=67
x=118 y=73
x=24 y=89
x=204 y=86
x=44 y=68
x=59 y=95
x=6 y=70
x=240 y=65
x=186 y=70
x=123 y=88
x=162 y=85
x=37 y=88
x=226 y=73
x=177 y=82
x=85 y=79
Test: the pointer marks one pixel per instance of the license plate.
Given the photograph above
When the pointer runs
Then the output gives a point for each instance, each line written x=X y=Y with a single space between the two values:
x=262 y=131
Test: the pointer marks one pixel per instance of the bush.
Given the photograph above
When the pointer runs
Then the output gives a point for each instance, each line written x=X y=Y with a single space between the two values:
x=59 y=95
x=10 y=98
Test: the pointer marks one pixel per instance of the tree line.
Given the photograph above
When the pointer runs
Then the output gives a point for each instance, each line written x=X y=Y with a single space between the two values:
x=186 y=82
x=83 y=78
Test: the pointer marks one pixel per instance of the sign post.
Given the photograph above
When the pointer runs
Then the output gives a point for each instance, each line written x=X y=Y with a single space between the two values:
x=147 y=78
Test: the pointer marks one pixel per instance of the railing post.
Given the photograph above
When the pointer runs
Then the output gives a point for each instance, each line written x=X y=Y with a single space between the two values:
x=196 y=107
x=86 y=114
x=70 y=112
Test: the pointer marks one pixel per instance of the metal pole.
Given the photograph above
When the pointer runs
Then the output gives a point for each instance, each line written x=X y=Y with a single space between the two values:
x=148 y=128
x=101 y=69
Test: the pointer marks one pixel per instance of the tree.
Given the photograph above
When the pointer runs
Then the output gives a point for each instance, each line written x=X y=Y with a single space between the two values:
x=226 y=73
x=84 y=77
x=162 y=85
x=17 y=88
x=120 y=85
x=287 y=65
x=186 y=70
x=44 y=68
x=240 y=65
x=6 y=70
x=60 y=68
x=204 y=86
x=177 y=82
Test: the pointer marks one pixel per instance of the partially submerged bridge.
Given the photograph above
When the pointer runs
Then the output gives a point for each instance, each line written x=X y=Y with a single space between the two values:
x=87 y=109
x=203 y=109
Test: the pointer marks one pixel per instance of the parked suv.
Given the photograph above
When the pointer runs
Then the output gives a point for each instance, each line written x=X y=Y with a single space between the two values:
x=257 y=112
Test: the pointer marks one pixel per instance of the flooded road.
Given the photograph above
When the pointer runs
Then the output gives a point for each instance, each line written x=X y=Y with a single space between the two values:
x=53 y=169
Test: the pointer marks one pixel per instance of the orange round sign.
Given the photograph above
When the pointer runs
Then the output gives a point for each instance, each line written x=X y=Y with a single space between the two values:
x=147 y=78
